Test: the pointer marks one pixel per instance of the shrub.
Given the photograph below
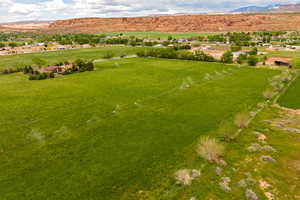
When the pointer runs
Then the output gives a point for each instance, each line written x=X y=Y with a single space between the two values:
x=227 y=57
x=242 y=120
x=90 y=66
x=28 y=70
x=201 y=56
x=42 y=76
x=210 y=149
x=32 y=77
x=268 y=94
x=51 y=75
x=253 y=52
x=186 y=55
x=241 y=58
x=252 y=60
x=235 y=48
x=183 y=177
x=186 y=176
x=250 y=195
x=67 y=72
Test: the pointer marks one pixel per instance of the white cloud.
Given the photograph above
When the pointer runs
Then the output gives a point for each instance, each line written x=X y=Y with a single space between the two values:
x=23 y=9
x=14 y=10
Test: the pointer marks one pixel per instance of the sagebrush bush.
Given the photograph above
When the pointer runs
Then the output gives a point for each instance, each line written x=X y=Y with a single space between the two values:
x=183 y=177
x=242 y=120
x=210 y=149
x=186 y=176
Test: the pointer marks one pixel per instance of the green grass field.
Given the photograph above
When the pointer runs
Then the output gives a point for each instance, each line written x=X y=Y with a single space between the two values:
x=155 y=35
x=287 y=54
x=60 y=56
x=291 y=98
x=109 y=133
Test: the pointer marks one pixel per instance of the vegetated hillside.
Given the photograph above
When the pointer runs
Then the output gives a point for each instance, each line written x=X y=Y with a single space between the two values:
x=187 y=23
x=110 y=133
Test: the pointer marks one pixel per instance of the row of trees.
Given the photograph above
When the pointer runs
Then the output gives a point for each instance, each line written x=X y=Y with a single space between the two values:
x=171 y=53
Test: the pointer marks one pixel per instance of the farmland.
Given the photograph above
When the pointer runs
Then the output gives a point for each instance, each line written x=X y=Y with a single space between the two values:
x=60 y=56
x=291 y=98
x=112 y=132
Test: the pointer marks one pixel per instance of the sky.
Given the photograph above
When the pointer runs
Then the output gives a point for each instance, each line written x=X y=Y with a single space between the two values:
x=25 y=10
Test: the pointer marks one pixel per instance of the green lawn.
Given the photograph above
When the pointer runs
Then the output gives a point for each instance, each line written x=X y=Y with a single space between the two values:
x=60 y=56
x=109 y=133
x=287 y=54
x=291 y=98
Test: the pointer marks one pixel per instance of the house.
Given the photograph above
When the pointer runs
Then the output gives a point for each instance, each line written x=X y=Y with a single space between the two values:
x=278 y=61
x=237 y=53
x=159 y=46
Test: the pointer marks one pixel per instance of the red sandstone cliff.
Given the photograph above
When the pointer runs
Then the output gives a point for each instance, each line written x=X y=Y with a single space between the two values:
x=188 y=23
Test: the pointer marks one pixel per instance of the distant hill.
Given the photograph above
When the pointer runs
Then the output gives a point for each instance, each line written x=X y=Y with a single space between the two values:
x=181 y=23
x=278 y=8
x=254 y=9
x=27 y=22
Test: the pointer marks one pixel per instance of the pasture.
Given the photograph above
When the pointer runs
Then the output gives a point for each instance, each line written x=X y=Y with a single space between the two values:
x=110 y=133
x=291 y=98
x=20 y=60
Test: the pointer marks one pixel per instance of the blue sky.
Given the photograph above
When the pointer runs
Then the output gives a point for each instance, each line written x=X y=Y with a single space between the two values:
x=23 y=10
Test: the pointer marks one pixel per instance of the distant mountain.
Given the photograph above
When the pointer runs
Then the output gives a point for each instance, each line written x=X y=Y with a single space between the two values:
x=27 y=22
x=279 y=8
x=254 y=9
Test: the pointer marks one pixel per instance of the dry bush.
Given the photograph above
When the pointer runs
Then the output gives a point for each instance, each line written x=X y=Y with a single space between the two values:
x=186 y=176
x=210 y=149
x=268 y=94
x=183 y=177
x=242 y=120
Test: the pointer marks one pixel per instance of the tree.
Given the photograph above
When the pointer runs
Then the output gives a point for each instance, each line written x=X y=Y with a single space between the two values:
x=253 y=51
x=252 y=60
x=227 y=57
x=241 y=58
x=132 y=43
x=235 y=48
x=264 y=59
x=12 y=44
x=2 y=45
